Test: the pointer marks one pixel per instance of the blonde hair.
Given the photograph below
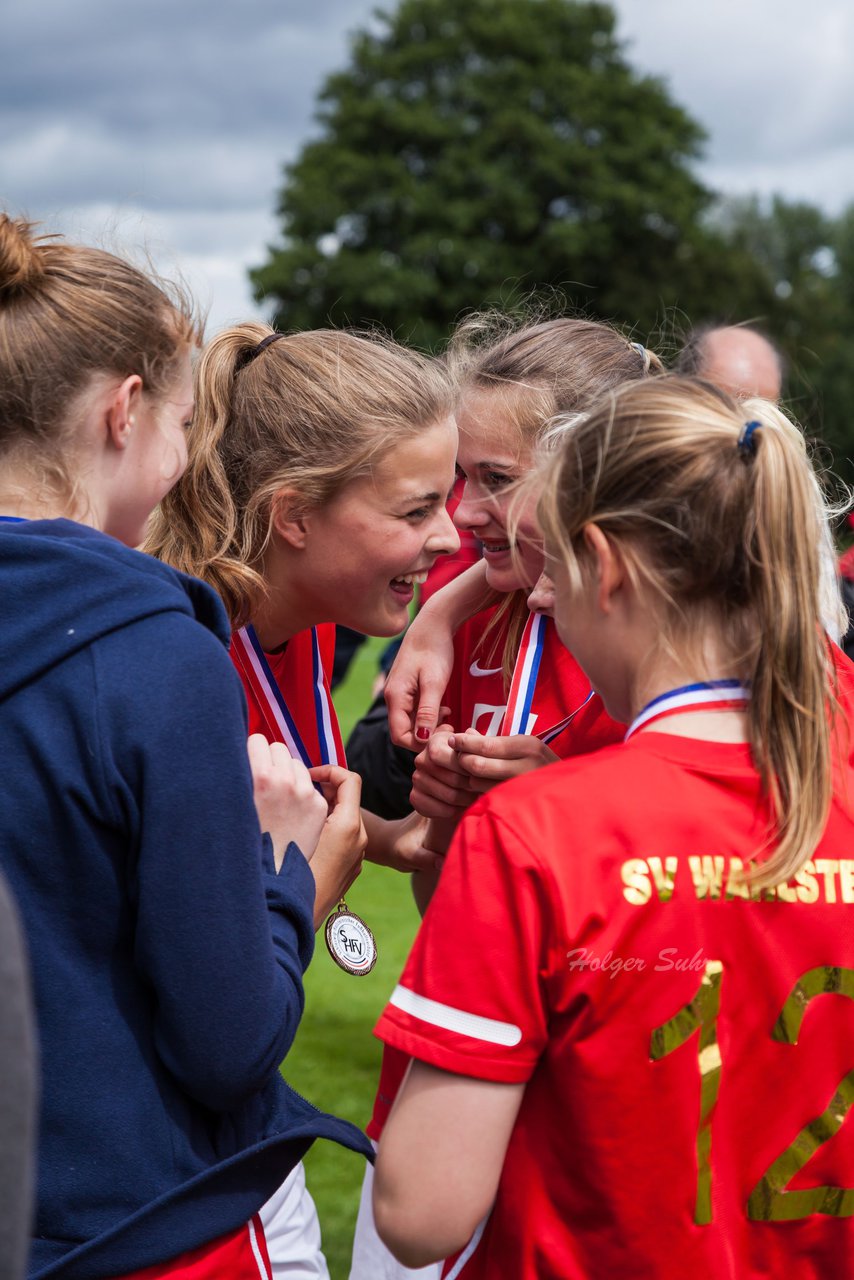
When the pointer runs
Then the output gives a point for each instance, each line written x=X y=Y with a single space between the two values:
x=68 y=313
x=541 y=369
x=304 y=412
x=723 y=532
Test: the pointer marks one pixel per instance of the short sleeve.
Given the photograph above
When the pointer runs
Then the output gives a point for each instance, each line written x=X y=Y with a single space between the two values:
x=472 y=996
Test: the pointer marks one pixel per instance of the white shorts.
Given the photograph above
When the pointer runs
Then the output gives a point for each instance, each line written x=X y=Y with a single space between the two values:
x=292 y=1231
x=371 y=1259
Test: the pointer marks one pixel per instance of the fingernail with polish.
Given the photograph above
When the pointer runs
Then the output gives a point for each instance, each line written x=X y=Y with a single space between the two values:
x=422 y=733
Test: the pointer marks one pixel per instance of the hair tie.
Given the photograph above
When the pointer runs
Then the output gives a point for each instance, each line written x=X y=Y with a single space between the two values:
x=643 y=353
x=248 y=356
x=746 y=443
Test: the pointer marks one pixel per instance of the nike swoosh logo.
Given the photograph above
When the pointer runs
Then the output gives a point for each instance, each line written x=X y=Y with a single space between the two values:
x=484 y=671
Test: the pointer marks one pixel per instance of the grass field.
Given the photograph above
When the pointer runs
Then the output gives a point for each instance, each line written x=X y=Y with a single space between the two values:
x=335 y=1060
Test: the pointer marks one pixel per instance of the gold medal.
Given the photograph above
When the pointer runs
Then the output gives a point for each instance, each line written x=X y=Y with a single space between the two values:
x=350 y=942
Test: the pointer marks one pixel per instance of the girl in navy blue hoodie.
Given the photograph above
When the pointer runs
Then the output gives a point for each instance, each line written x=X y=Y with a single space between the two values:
x=167 y=935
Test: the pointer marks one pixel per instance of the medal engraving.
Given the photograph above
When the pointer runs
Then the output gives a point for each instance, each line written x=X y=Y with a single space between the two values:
x=350 y=942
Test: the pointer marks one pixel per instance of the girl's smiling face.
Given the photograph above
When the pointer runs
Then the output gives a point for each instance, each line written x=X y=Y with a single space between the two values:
x=492 y=456
x=366 y=548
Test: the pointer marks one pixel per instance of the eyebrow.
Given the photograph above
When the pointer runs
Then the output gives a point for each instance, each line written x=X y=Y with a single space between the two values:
x=422 y=497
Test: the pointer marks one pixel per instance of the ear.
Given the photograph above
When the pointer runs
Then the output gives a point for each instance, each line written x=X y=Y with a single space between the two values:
x=609 y=565
x=288 y=517
x=121 y=411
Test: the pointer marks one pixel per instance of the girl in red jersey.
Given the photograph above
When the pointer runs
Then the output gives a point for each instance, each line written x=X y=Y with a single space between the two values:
x=630 y=1003
x=515 y=697
x=319 y=468
x=511 y=384
x=315 y=491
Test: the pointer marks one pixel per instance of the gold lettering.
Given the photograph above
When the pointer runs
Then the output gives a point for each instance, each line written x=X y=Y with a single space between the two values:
x=716 y=877
x=736 y=885
x=664 y=876
x=636 y=886
x=707 y=874
x=846 y=879
x=700 y=1014
x=770 y=1201
x=828 y=868
x=807 y=883
x=786 y=893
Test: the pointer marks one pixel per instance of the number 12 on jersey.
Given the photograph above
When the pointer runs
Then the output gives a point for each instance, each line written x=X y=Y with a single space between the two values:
x=769 y=1201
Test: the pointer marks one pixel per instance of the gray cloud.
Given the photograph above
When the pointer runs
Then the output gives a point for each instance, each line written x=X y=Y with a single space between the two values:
x=169 y=123
x=770 y=81
x=173 y=101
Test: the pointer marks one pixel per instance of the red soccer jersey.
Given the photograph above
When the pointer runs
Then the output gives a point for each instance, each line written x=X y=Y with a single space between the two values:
x=292 y=670
x=687 y=1049
x=477 y=699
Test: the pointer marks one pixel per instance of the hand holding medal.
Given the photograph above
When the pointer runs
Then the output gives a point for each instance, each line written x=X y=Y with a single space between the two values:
x=455 y=767
x=336 y=856
x=289 y=807
x=341 y=848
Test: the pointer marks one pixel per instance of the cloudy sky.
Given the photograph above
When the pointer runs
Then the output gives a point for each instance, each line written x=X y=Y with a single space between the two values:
x=167 y=123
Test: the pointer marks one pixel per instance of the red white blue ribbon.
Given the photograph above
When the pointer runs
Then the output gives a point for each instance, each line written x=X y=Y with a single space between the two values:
x=254 y=661
x=548 y=735
x=517 y=716
x=327 y=720
x=707 y=695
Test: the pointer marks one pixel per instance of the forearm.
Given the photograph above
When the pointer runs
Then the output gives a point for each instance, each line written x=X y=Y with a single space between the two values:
x=328 y=889
x=439 y=1161
x=439 y=835
x=380 y=833
x=459 y=600
x=213 y=919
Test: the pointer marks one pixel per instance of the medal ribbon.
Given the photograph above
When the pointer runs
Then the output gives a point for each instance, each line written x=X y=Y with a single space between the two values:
x=523 y=685
x=254 y=662
x=327 y=720
x=548 y=735
x=525 y=672
x=707 y=695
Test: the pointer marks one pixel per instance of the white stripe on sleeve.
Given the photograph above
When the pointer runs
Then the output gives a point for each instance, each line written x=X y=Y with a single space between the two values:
x=451 y=1019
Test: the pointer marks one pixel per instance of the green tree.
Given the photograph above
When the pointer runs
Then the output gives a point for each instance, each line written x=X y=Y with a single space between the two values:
x=474 y=150
x=808 y=260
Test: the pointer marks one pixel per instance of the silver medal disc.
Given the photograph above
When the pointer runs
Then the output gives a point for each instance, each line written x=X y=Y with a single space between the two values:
x=350 y=942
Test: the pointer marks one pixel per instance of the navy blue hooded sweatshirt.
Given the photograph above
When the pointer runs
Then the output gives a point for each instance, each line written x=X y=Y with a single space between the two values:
x=167 y=954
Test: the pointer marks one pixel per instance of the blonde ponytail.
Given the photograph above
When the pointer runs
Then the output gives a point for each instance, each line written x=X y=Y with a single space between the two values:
x=719 y=514
x=198 y=527
x=788 y=715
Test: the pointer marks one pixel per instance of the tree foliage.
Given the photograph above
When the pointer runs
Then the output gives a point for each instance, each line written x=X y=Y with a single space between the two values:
x=473 y=150
x=808 y=260
x=473 y=153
